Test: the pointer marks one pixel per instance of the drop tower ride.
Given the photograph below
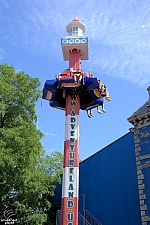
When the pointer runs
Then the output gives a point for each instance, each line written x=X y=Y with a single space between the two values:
x=72 y=90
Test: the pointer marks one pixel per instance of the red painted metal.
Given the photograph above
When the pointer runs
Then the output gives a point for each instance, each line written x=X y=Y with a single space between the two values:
x=74 y=60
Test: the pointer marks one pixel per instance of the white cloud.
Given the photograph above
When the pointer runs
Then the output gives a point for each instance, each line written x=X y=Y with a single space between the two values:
x=146 y=25
x=50 y=134
x=118 y=44
x=6 y=37
x=50 y=151
x=1 y=53
x=38 y=125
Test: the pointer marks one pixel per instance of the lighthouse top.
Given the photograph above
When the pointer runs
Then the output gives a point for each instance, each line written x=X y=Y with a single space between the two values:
x=75 y=28
x=75 y=40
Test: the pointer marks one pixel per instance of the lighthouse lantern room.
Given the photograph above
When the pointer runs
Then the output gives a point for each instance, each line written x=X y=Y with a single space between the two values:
x=75 y=28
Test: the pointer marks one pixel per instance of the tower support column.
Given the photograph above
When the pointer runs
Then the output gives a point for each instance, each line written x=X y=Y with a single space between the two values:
x=74 y=59
x=70 y=184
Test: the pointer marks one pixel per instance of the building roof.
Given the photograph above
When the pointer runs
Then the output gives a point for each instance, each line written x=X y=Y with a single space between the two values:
x=142 y=111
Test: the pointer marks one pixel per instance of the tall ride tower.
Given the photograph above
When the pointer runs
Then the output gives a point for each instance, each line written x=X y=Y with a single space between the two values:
x=71 y=91
x=74 y=48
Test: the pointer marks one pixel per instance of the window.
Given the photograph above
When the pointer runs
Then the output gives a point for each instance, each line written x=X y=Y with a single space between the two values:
x=73 y=31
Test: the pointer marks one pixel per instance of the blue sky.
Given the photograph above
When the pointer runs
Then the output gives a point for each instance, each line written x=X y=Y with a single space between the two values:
x=119 y=54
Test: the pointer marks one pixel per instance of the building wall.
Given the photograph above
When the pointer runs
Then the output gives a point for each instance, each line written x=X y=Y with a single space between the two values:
x=109 y=181
x=144 y=154
x=108 y=184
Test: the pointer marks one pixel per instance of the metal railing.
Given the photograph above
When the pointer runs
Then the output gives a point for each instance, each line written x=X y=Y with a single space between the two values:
x=90 y=218
x=87 y=219
x=82 y=220
x=58 y=217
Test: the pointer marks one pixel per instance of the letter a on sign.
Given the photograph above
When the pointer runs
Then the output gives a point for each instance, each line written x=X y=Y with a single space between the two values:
x=71 y=187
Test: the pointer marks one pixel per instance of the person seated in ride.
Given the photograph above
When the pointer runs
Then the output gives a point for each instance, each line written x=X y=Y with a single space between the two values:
x=58 y=76
x=101 y=86
x=107 y=97
x=106 y=93
x=77 y=75
x=77 y=78
x=89 y=111
x=98 y=109
x=90 y=73
x=103 y=89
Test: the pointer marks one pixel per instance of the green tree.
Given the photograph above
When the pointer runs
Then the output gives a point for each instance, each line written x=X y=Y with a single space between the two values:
x=27 y=177
x=53 y=167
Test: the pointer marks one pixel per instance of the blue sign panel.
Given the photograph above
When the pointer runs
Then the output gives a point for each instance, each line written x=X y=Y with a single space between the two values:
x=76 y=40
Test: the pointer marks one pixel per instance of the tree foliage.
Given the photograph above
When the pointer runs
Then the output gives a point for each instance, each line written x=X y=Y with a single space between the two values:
x=27 y=176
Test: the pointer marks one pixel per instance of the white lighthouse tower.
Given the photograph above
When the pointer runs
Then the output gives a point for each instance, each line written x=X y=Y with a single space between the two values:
x=75 y=40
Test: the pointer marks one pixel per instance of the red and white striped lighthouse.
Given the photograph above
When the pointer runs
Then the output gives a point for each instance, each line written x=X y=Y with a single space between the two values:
x=75 y=48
